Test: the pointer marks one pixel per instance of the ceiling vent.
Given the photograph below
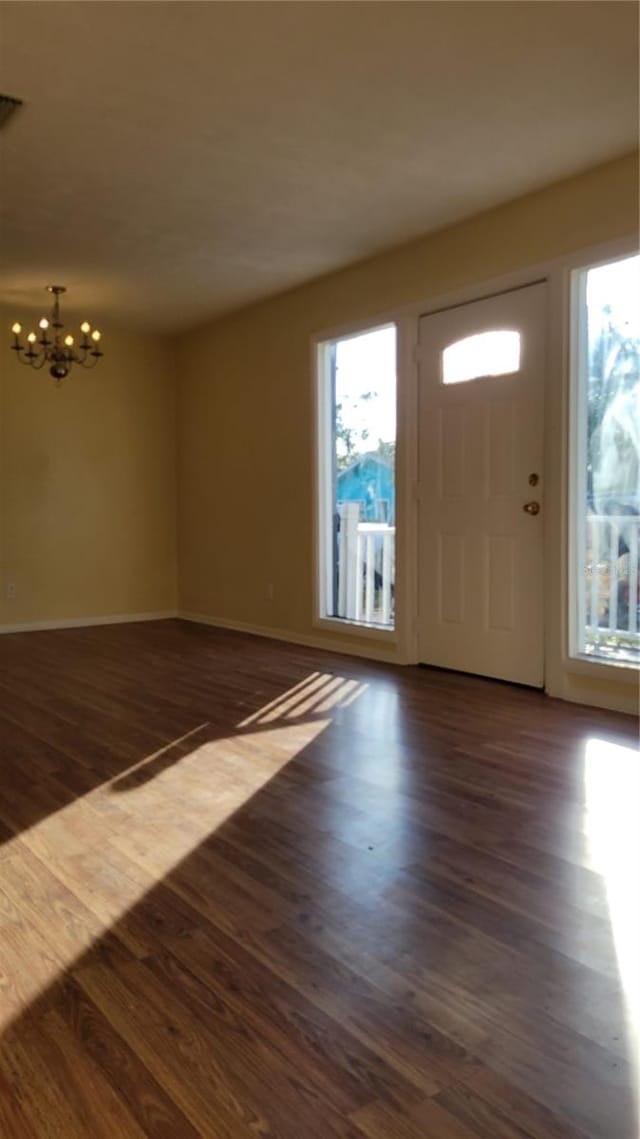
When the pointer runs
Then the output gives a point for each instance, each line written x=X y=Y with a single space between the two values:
x=7 y=106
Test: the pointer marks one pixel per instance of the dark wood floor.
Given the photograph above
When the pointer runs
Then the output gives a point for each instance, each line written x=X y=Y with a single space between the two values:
x=253 y=890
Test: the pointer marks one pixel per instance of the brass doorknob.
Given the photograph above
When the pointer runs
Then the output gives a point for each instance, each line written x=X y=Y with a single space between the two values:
x=531 y=507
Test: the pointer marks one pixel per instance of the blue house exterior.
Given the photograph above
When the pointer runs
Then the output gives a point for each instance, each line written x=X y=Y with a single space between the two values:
x=369 y=481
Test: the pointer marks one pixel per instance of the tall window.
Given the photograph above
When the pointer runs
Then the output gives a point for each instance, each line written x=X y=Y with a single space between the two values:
x=607 y=461
x=357 y=496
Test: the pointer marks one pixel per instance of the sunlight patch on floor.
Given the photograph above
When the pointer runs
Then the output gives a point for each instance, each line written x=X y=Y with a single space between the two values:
x=67 y=880
x=612 y=791
x=320 y=692
x=180 y=742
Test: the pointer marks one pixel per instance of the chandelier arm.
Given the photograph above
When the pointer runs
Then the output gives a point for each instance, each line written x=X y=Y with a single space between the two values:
x=40 y=362
x=28 y=359
x=85 y=363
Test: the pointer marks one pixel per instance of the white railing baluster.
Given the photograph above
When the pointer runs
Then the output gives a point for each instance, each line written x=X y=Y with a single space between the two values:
x=613 y=592
x=349 y=573
x=633 y=575
x=357 y=578
x=614 y=545
x=342 y=567
x=387 y=550
x=363 y=546
x=594 y=532
x=370 y=576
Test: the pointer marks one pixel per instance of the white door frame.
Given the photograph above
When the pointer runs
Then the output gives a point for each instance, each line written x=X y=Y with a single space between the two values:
x=557 y=274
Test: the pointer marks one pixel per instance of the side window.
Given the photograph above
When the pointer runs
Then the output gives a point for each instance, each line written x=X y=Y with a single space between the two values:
x=606 y=461
x=356 y=477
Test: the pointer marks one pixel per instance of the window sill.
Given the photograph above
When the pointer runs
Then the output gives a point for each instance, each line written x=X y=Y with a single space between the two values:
x=622 y=672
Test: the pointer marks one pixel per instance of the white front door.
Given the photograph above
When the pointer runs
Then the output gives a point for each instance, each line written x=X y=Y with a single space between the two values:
x=480 y=486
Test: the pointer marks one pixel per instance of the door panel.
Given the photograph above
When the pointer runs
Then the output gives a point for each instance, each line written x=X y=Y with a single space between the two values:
x=480 y=552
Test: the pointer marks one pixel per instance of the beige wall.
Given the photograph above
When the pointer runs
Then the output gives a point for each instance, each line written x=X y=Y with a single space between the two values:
x=245 y=398
x=87 y=486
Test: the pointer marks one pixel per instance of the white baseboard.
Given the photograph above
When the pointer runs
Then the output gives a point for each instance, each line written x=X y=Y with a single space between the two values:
x=83 y=622
x=367 y=649
x=624 y=700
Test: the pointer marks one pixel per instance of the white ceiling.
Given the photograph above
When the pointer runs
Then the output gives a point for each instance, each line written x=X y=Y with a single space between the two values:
x=175 y=160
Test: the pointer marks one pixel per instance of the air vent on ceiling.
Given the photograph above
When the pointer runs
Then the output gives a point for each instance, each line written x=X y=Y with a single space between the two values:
x=7 y=106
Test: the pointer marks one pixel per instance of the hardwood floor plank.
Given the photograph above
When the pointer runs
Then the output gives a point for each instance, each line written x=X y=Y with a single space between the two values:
x=424 y=1056
x=91 y=1096
x=489 y=1099
x=13 y=1118
x=214 y=1068
x=155 y=1112
x=428 y=1121
x=249 y=888
x=297 y=1024
x=511 y=1115
x=172 y=1049
x=28 y=1068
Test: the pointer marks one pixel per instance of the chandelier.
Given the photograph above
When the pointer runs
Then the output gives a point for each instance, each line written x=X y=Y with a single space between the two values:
x=60 y=352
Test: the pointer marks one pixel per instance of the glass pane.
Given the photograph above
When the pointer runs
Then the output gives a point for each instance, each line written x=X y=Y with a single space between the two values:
x=495 y=353
x=361 y=562
x=610 y=620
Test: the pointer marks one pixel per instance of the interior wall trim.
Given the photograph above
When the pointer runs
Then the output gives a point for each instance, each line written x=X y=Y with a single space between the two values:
x=366 y=649
x=82 y=622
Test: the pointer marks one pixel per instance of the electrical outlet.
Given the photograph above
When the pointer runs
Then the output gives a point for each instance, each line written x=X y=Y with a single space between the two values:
x=11 y=590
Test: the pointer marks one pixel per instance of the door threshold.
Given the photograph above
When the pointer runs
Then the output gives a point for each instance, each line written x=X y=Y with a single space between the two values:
x=482 y=676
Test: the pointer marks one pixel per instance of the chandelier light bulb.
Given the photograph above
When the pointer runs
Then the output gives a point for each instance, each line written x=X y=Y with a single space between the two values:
x=31 y=337
x=85 y=327
x=68 y=341
x=95 y=335
x=16 y=328
x=44 y=323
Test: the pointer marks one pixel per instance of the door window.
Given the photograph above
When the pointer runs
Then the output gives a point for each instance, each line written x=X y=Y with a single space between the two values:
x=493 y=353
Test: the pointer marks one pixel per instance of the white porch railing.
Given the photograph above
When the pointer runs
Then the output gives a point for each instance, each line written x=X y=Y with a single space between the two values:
x=611 y=585
x=366 y=568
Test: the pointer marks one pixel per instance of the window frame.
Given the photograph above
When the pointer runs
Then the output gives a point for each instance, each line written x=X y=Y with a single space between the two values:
x=322 y=484
x=577 y=470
